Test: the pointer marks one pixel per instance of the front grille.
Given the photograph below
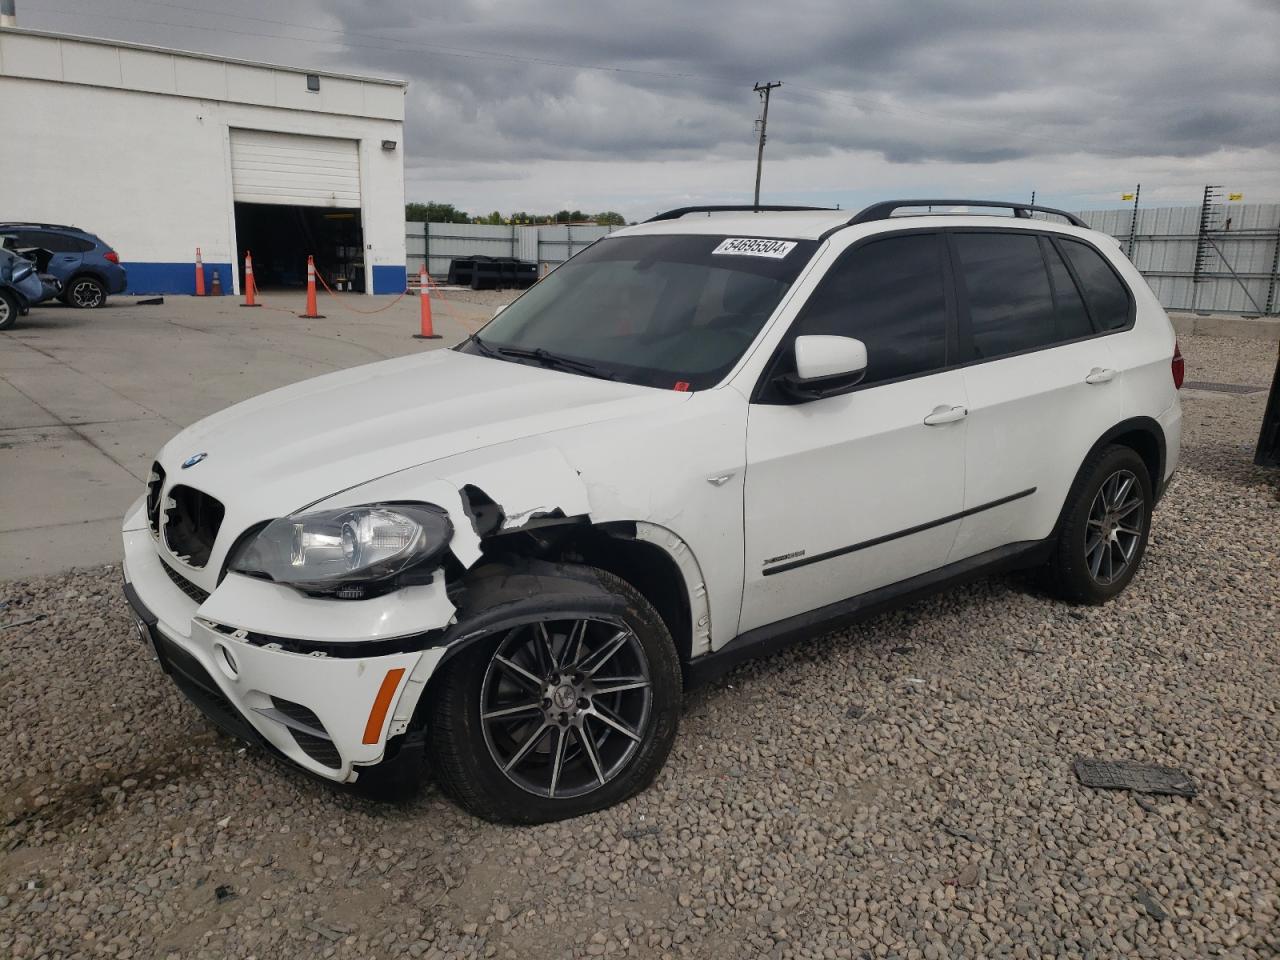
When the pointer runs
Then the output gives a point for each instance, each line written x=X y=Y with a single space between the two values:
x=201 y=689
x=185 y=585
x=192 y=519
x=318 y=746
x=155 y=485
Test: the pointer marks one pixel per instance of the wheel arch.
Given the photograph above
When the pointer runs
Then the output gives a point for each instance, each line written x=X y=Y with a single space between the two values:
x=1144 y=436
x=90 y=272
x=652 y=559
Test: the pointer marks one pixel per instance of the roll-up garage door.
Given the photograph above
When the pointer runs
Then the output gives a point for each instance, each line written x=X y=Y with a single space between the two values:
x=288 y=168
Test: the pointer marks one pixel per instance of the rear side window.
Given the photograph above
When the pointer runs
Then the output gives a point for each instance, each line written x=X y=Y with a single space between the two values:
x=59 y=242
x=1108 y=296
x=1073 y=318
x=1011 y=306
x=890 y=295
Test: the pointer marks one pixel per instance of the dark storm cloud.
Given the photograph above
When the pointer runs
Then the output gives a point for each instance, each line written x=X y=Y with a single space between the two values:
x=918 y=81
x=958 y=81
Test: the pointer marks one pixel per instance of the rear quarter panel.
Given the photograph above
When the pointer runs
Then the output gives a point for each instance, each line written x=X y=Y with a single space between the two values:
x=1144 y=355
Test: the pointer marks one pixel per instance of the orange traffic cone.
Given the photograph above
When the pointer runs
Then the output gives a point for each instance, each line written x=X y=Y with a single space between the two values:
x=249 y=283
x=312 y=313
x=424 y=299
x=199 y=274
x=215 y=288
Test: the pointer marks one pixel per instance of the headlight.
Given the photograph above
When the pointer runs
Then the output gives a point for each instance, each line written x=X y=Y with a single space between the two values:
x=345 y=552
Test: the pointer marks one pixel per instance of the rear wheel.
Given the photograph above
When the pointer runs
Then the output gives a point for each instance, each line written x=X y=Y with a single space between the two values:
x=568 y=703
x=1104 y=531
x=8 y=310
x=85 y=292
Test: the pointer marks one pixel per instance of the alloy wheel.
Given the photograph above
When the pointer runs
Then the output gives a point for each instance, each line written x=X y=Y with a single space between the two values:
x=86 y=293
x=1114 y=527
x=6 y=311
x=565 y=704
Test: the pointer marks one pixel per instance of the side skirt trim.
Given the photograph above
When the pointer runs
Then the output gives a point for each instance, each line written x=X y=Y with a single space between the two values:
x=876 y=541
x=766 y=640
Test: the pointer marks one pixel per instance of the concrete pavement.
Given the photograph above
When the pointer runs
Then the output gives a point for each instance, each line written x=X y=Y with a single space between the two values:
x=88 y=396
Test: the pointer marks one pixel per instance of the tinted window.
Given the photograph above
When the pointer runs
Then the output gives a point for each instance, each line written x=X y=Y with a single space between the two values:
x=1010 y=301
x=57 y=242
x=1073 y=318
x=888 y=294
x=1108 y=296
x=661 y=310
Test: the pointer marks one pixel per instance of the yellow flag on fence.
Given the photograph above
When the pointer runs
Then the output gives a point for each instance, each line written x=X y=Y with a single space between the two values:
x=1126 y=196
x=1235 y=196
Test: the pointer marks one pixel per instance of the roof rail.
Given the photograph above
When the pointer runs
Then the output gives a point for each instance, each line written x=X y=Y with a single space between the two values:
x=679 y=212
x=27 y=224
x=885 y=209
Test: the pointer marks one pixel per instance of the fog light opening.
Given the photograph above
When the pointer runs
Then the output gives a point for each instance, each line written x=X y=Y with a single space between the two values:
x=226 y=661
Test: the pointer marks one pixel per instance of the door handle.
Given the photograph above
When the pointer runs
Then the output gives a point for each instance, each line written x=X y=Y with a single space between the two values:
x=1100 y=375
x=945 y=414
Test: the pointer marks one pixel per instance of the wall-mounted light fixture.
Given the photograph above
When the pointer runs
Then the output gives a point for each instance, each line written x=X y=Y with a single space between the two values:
x=388 y=144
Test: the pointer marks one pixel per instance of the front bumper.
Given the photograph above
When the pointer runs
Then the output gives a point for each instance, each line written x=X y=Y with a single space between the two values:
x=330 y=713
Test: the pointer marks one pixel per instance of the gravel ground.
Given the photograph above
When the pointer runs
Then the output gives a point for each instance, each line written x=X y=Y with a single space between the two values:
x=902 y=789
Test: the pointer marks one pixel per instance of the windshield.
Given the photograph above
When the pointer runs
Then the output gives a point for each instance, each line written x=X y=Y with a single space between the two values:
x=674 y=312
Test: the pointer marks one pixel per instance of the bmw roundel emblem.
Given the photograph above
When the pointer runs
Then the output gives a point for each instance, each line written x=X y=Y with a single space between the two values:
x=192 y=460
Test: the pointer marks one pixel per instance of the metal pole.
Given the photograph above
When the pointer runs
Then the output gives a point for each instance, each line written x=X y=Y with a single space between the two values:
x=1202 y=243
x=763 y=90
x=1133 y=224
x=1274 y=282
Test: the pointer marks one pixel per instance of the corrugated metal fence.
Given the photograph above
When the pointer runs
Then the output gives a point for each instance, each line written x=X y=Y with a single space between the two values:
x=439 y=243
x=1239 y=273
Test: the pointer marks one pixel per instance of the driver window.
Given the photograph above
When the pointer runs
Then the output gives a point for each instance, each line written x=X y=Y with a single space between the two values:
x=889 y=294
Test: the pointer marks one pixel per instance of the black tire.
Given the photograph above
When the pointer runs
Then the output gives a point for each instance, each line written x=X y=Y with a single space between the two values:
x=1078 y=569
x=503 y=606
x=9 y=310
x=85 y=293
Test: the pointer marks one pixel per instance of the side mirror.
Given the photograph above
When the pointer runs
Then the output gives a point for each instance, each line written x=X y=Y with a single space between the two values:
x=499 y=310
x=825 y=367
x=22 y=270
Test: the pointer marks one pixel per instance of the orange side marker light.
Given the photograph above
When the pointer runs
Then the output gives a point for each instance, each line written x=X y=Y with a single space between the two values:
x=381 y=704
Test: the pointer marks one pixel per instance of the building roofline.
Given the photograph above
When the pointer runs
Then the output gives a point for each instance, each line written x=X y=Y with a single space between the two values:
x=194 y=54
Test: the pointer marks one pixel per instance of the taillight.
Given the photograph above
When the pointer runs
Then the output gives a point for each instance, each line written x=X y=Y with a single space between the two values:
x=111 y=256
x=1179 y=366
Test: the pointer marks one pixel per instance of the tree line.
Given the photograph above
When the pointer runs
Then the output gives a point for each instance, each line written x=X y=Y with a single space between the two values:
x=431 y=212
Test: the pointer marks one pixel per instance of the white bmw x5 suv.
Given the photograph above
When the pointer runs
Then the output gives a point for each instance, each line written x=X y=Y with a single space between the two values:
x=701 y=437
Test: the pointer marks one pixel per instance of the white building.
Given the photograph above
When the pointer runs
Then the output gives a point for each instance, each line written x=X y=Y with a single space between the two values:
x=162 y=151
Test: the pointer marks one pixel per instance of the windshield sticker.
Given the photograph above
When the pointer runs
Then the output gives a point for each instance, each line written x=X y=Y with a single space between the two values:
x=747 y=247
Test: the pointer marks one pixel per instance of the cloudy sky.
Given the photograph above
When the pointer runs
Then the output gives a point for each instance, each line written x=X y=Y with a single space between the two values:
x=639 y=106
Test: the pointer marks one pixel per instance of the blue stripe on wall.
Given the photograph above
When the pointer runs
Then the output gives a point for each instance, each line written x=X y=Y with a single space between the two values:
x=174 y=277
x=181 y=278
x=389 y=279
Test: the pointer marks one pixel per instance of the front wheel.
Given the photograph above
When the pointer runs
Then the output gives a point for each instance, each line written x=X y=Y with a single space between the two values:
x=87 y=293
x=9 y=310
x=1104 y=529
x=568 y=701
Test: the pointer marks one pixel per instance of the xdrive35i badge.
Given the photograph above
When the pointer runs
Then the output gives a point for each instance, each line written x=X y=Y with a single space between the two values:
x=192 y=460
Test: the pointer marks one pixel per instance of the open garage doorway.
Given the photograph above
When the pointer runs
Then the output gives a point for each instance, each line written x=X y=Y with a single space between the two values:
x=281 y=236
x=296 y=196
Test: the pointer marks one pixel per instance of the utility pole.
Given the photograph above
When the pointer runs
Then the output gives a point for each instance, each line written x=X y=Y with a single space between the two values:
x=763 y=89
